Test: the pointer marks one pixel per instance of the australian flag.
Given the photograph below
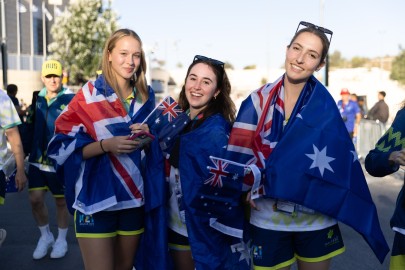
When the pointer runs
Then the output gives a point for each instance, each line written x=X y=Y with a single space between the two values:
x=310 y=160
x=10 y=183
x=166 y=121
x=222 y=188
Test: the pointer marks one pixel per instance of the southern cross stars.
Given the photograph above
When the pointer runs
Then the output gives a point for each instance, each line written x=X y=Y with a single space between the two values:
x=320 y=160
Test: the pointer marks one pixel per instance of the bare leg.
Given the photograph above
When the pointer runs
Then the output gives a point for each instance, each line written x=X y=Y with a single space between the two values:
x=125 y=250
x=38 y=207
x=97 y=253
x=182 y=260
x=62 y=213
x=323 y=265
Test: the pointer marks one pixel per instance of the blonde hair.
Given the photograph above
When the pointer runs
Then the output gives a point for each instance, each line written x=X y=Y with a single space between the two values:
x=138 y=80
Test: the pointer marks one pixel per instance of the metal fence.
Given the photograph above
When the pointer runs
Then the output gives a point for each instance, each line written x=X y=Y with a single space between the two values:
x=368 y=133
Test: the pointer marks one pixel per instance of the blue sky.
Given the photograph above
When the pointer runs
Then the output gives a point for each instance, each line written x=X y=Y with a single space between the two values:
x=256 y=32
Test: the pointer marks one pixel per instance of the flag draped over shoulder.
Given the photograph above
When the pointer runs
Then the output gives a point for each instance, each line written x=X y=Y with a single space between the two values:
x=211 y=248
x=96 y=113
x=153 y=252
x=219 y=196
x=312 y=162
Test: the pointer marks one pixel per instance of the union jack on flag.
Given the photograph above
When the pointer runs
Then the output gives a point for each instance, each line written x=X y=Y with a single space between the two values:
x=309 y=160
x=165 y=112
x=166 y=121
x=217 y=173
x=220 y=192
x=257 y=131
x=96 y=113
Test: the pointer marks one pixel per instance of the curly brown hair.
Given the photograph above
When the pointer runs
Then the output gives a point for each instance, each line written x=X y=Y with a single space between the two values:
x=223 y=103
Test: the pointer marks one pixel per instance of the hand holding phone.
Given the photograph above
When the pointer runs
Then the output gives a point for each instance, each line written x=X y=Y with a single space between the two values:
x=142 y=137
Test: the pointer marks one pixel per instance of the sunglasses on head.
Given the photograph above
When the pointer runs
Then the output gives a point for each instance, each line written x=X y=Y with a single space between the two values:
x=311 y=25
x=207 y=59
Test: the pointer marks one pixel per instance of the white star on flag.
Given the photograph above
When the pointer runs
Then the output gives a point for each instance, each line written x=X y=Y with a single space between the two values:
x=320 y=160
x=244 y=249
x=355 y=157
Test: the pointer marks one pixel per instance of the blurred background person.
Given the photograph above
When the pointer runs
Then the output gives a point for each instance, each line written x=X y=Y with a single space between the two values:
x=350 y=112
x=380 y=110
x=12 y=90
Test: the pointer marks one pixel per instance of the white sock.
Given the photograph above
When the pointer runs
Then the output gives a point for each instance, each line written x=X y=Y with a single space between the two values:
x=62 y=234
x=45 y=231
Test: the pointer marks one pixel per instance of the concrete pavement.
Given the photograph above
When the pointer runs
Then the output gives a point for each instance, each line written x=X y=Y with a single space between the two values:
x=22 y=233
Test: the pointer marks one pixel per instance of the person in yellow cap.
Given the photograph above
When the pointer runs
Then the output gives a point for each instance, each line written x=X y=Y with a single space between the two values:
x=52 y=99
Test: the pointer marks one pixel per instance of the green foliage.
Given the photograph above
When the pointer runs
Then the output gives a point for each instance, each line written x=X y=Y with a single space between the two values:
x=228 y=65
x=79 y=35
x=250 y=67
x=359 y=62
x=336 y=60
x=398 y=68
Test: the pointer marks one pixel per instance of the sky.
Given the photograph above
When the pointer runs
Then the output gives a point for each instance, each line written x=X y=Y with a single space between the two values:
x=256 y=32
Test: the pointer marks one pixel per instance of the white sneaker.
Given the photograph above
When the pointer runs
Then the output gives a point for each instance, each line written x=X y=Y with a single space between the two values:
x=59 y=249
x=44 y=243
x=3 y=235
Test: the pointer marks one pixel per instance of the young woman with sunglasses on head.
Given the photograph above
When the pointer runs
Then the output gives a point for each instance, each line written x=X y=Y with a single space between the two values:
x=102 y=167
x=279 y=128
x=205 y=96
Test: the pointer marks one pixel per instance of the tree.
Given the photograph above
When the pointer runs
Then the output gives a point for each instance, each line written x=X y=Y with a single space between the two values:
x=228 y=65
x=359 y=61
x=250 y=67
x=336 y=60
x=79 y=35
x=398 y=68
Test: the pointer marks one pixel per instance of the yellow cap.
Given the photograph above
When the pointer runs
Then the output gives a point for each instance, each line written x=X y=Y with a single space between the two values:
x=52 y=67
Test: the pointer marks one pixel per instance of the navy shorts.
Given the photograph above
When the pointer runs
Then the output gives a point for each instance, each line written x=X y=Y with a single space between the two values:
x=110 y=223
x=398 y=252
x=43 y=180
x=277 y=249
x=177 y=241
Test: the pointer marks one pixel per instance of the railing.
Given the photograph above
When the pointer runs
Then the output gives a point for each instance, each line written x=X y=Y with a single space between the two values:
x=368 y=133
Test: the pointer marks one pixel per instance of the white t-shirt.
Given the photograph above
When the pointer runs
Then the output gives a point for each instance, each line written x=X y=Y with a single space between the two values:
x=267 y=217
x=8 y=118
x=176 y=214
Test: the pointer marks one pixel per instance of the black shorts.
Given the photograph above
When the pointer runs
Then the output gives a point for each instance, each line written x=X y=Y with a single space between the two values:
x=277 y=249
x=43 y=180
x=106 y=224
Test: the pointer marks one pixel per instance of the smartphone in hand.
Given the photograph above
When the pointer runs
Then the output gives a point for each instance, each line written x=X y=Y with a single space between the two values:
x=142 y=137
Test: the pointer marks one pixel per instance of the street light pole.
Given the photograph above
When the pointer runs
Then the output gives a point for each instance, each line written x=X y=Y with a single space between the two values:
x=321 y=16
x=3 y=44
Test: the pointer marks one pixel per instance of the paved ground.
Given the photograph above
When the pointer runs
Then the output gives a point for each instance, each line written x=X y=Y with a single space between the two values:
x=16 y=252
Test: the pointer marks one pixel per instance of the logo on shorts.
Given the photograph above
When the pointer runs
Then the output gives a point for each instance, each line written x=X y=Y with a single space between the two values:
x=332 y=240
x=86 y=220
x=257 y=252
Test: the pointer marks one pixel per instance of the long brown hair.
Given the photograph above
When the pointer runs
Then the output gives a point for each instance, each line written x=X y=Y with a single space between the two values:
x=138 y=80
x=223 y=103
